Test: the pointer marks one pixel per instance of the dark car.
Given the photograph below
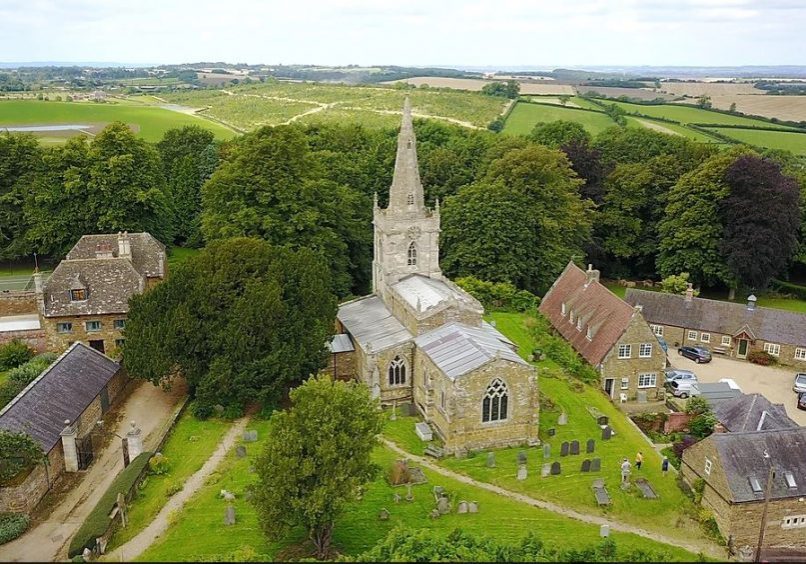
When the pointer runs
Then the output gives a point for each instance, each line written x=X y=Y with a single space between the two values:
x=697 y=354
x=802 y=400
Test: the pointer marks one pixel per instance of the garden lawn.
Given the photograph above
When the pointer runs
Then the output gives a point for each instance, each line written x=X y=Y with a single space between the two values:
x=525 y=116
x=190 y=445
x=178 y=255
x=789 y=141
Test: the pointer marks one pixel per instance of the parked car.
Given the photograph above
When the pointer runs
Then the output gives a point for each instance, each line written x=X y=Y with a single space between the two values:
x=683 y=388
x=731 y=382
x=679 y=374
x=800 y=382
x=697 y=354
x=802 y=400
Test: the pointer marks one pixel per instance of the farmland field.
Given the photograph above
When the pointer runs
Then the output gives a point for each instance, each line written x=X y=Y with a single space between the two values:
x=697 y=89
x=615 y=92
x=150 y=123
x=791 y=108
x=545 y=87
x=670 y=129
x=686 y=114
x=525 y=116
x=795 y=142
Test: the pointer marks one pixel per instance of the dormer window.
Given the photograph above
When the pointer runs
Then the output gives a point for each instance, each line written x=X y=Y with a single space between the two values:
x=589 y=334
x=78 y=295
x=563 y=309
x=579 y=324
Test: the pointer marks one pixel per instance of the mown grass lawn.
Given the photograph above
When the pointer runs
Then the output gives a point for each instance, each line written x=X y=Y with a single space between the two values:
x=525 y=116
x=187 y=449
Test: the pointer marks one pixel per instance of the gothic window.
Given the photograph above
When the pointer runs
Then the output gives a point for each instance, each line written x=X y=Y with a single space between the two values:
x=494 y=405
x=410 y=199
x=412 y=254
x=397 y=372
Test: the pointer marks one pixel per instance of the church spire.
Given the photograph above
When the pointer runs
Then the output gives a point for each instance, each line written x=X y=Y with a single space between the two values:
x=406 y=193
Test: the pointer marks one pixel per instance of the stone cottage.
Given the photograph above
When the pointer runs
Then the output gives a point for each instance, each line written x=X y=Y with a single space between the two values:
x=420 y=339
x=607 y=332
x=731 y=329
x=86 y=298
x=59 y=410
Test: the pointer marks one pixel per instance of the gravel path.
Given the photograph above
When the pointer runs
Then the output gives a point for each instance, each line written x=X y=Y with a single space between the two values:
x=136 y=546
x=708 y=549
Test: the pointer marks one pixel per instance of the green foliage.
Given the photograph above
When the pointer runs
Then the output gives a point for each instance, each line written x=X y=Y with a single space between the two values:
x=97 y=522
x=762 y=358
x=697 y=405
x=509 y=89
x=499 y=295
x=14 y=354
x=18 y=453
x=316 y=457
x=558 y=349
x=556 y=134
x=158 y=465
x=795 y=289
x=241 y=320
x=20 y=157
x=12 y=525
x=18 y=378
x=702 y=425
x=676 y=284
x=497 y=125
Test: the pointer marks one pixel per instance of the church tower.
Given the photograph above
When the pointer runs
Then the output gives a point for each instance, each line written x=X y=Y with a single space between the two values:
x=406 y=232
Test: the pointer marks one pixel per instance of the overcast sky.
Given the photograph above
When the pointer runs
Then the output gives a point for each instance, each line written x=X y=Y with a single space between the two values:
x=407 y=32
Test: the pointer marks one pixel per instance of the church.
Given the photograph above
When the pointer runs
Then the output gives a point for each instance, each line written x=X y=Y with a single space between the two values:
x=420 y=339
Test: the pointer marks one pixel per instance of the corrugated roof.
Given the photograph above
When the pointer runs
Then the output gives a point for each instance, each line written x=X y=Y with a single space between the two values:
x=341 y=343
x=19 y=323
x=458 y=349
x=372 y=325
x=752 y=412
x=768 y=324
x=423 y=293
x=62 y=392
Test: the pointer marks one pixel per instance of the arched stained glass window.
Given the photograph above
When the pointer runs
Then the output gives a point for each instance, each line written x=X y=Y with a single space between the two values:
x=397 y=371
x=494 y=404
x=412 y=254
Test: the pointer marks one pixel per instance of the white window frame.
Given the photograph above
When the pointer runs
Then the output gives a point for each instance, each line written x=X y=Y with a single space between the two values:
x=87 y=326
x=625 y=383
x=727 y=341
x=692 y=335
x=66 y=327
x=708 y=466
x=793 y=522
x=657 y=330
x=625 y=351
x=772 y=348
x=705 y=337
x=647 y=380
x=800 y=353
x=645 y=350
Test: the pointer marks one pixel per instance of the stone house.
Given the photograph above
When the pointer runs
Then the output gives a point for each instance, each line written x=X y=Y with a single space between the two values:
x=607 y=332
x=86 y=298
x=735 y=468
x=731 y=329
x=59 y=410
x=419 y=339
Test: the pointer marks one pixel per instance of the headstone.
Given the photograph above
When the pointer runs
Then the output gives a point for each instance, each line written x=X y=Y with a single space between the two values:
x=473 y=507
x=229 y=515
x=491 y=460
x=552 y=432
x=409 y=493
x=562 y=419
x=228 y=496
x=555 y=468
x=423 y=431
x=249 y=436
x=746 y=554
x=521 y=457
x=607 y=432
x=604 y=531
x=564 y=449
x=383 y=515
x=240 y=451
x=641 y=396
x=462 y=507
x=574 y=447
x=522 y=472
x=590 y=446
x=602 y=420
x=393 y=417
x=443 y=506
x=434 y=514
x=625 y=485
x=596 y=465
x=586 y=465
x=546 y=451
x=546 y=470
x=439 y=491
x=396 y=498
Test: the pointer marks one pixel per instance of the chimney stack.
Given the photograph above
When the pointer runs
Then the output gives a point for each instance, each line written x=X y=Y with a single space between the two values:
x=104 y=251
x=689 y=292
x=639 y=308
x=124 y=245
x=591 y=274
x=751 y=302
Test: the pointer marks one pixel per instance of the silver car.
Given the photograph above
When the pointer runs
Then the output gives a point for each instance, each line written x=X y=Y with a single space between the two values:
x=679 y=374
x=683 y=388
x=800 y=382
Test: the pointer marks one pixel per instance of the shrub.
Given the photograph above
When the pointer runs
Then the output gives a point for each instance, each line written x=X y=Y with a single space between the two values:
x=761 y=357
x=158 y=465
x=680 y=446
x=18 y=452
x=795 y=289
x=702 y=425
x=173 y=489
x=28 y=372
x=97 y=522
x=499 y=295
x=14 y=354
x=12 y=525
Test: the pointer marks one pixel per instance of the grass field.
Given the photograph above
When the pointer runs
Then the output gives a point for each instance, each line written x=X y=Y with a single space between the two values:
x=525 y=116
x=151 y=122
x=178 y=255
x=686 y=114
x=795 y=142
x=670 y=128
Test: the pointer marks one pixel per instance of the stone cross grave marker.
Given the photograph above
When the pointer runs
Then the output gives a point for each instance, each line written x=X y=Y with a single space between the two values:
x=607 y=432
x=564 y=449
x=521 y=457
x=562 y=419
x=229 y=515
x=462 y=507
x=546 y=470
x=523 y=473
x=555 y=468
x=240 y=451
x=586 y=465
x=574 y=447
x=396 y=497
x=490 y=459
x=596 y=465
x=546 y=451
x=590 y=446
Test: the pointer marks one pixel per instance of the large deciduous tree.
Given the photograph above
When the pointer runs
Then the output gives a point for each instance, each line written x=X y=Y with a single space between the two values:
x=316 y=457
x=240 y=321
x=20 y=161
x=556 y=134
x=761 y=218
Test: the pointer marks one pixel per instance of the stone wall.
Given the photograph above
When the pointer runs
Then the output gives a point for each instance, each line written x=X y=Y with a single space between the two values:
x=17 y=303
x=677 y=421
x=637 y=332
x=24 y=497
x=422 y=322
x=117 y=385
x=342 y=366
x=59 y=342
x=33 y=338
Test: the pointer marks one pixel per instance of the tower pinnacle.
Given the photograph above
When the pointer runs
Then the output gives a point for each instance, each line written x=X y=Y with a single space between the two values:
x=406 y=193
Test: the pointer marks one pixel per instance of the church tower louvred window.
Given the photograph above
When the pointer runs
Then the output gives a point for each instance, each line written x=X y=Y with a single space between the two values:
x=494 y=405
x=412 y=254
x=397 y=372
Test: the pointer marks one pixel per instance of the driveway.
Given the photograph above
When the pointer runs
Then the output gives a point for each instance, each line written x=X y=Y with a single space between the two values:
x=49 y=535
x=774 y=383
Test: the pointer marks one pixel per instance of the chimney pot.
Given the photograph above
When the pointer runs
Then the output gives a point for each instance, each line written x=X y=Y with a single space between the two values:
x=689 y=292
x=591 y=275
x=751 y=302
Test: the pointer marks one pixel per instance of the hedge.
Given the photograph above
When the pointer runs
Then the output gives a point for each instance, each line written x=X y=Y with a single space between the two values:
x=97 y=522
x=790 y=288
x=12 y=525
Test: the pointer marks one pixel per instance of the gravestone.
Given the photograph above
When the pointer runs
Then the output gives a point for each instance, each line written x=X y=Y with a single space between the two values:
x=564 y=449
x=490 y=460
x=228 y=496
x=396 y=498
x=574 y=447
x=590 y=446
x=602 y=420
x=562 y=419
x=383 y=515
x=409 y=493
x=596 y=465
x=249 y=436
x=423 y=431
x=625 y=485
x=434 y=514
x=555 y=468
x=607 y=432
x=546 y=451
x=439 y=491
x=522 y=472
x=641 y=396
x=462 y=507
x=240 y=451
x=552 y=431
x=443 y=506
x=604 y=531
x=586 y=465
x=521 y=457
x=229 y=515
x=546 y=470
x=473 y=507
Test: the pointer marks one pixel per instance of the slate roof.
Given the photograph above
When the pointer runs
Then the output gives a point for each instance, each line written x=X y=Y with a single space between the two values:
x=767 y=324
x=423 y=293
x=599 y=308
x=742 y=457
x=340 y=343
x=458 y=349
x=371 y=324
x=715 y=393
x=146 y=251
x=62 y=392
x=752 y=412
